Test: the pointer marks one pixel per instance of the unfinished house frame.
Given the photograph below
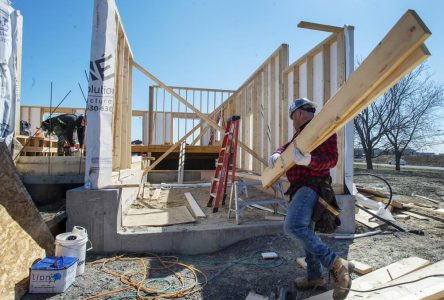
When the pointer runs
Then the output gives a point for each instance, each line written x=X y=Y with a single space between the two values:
x=184 y=121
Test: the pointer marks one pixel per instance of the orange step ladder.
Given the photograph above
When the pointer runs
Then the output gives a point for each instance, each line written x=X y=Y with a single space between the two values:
x=226 y=160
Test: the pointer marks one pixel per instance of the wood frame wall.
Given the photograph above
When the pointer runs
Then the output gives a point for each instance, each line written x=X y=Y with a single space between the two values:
x=317 y=75
x=164 y=108
x=122 y=100
x=260 y=105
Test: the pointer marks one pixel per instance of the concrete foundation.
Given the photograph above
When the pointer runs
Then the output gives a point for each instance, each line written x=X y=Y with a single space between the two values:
x=347 y=205
x=100 y=212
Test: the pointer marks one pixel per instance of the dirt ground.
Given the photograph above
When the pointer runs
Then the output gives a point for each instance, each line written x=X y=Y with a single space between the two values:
x=238 y=269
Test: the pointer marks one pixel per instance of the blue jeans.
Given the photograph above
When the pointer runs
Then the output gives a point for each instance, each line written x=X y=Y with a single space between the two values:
x=298 y=224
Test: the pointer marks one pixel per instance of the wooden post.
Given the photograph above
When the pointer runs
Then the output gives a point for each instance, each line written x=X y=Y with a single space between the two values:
x=151 y=114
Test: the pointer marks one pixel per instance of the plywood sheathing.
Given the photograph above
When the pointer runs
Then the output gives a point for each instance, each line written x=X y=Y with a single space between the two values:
x=24 y=236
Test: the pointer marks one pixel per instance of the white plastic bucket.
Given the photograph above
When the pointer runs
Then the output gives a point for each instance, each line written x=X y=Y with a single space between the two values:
x=73 y=244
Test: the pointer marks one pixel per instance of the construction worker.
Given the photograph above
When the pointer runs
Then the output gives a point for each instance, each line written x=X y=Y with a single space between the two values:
x=63 y=126
x=311 y=173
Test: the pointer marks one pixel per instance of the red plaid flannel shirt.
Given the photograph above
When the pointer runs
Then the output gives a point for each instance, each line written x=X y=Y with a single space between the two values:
x=324 y=157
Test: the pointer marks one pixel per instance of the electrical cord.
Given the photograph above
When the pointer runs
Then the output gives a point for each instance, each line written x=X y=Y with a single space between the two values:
x=142 y=291
x=385 y=181
x=167 y=263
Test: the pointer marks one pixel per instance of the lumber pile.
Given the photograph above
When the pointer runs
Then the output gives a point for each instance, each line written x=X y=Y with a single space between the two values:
x=400 y=51
x=409 y=278
x=400 y=210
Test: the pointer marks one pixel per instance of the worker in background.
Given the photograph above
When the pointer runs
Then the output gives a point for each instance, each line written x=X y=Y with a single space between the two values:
x=308 y=177
x=25 y=128
x=64 y=126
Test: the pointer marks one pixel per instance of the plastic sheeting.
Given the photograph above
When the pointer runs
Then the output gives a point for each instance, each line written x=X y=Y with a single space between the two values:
x=8 y=71
x=101 y=96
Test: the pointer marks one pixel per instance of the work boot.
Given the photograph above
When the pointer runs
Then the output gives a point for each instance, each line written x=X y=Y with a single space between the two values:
x=341 y=270
x=305 y=284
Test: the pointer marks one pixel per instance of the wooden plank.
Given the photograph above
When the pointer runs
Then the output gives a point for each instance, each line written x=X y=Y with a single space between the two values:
x=127 y=118
x=196 y=210
x=321 y=27
x=158 y=217
x=416 y=216
x=371 y=191
x=130 y=107
x=399 y=52
x=301 y=262
x=201 y=115
x=198 y=89
x=283 y=107
x=274 y=218
x=117 y=107
x=151 y=115
x=380 y=276
x=39 y=149
x=364 y=218
x=384 y=200
x=425 y=209
x=163 y=148
x=432 y=200
x=427 y=288
x=361 y=268
x=401 y=216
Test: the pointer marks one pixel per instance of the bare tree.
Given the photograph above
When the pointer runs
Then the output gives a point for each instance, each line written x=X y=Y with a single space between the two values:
x=406 y=111
x=369 y=132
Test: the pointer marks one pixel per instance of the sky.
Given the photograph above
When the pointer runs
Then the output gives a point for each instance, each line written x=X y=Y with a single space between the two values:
x=201 y=43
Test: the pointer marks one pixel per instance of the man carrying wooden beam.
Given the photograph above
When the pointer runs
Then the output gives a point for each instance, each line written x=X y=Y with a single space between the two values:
x=309 y=178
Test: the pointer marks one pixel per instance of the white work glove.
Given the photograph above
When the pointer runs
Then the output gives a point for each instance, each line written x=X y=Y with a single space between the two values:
x=301 y=159
x=73 y=149
x=272 y=159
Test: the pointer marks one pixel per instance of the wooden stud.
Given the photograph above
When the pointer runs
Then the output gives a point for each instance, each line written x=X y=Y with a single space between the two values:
x=326 y=71
x=151 y=114
x=310 y=77
x=117 y=124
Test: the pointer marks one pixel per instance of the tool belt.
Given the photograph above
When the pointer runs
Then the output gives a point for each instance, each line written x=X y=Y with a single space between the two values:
x=326 y=212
